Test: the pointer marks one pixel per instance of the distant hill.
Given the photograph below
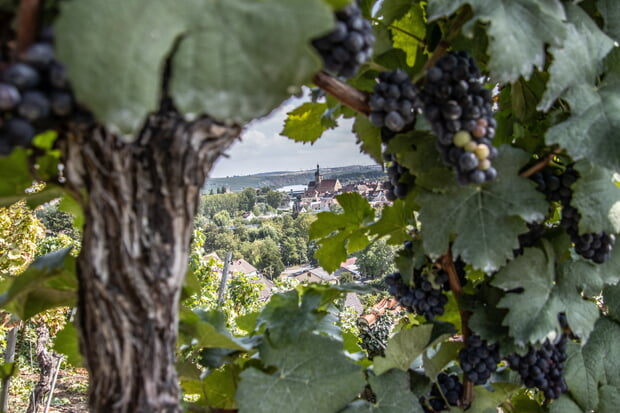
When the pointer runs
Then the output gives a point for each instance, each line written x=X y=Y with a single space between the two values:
x=275 y=180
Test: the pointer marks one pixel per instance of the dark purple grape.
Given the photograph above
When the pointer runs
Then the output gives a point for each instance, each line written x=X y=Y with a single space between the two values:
x=34 y=106
x=9 y=97
x=19 y=132
x=39 y=55
x=22 y=76
x=62 y=103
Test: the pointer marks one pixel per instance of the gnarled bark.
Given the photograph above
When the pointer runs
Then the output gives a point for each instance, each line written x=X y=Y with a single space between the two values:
x=139 y=200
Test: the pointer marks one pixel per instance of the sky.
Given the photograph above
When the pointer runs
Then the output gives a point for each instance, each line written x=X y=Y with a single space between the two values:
x=263 y=149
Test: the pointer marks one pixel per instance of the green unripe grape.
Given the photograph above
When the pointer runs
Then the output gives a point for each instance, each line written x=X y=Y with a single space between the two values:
x=484 y=164
x=461 y=138
x=470 y=146
x=482 y=151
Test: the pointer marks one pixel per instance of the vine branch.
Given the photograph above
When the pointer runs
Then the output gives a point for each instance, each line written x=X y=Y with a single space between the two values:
x=345 y=93
x=27 y=20
x=447 y=263
x=540 y=165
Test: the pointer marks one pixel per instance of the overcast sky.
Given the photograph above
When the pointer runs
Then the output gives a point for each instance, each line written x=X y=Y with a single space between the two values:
x=263 y=149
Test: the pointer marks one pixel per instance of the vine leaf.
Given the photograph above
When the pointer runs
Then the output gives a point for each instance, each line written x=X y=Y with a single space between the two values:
x=66 y=342
x=564 y=405
x=578 y=61
x=597 y=364
x=591 y=278
x=394 y=223
x=412 y=23
x=290 y=314
x=129 y=61
x=393 y=395
x=407 y=345
x=50 y=281
x=611 y=298
x=369 y=137
x=610 y=10
x=597 y=197
x=340 y=234
x=303 y=123
x=448 y=351
x=610 y=399
x=588 y=132
x=532 y=314
x=300 y=384
x=485 y=401
x=518 y=31
x=231 y=58
x=244 y=58
x=482 y=221
x=394 y=10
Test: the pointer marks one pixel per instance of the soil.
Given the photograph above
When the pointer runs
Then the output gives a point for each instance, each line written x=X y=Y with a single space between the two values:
x=69 y=393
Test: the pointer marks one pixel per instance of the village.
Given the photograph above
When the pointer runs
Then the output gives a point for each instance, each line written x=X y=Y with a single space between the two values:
x=319 y=195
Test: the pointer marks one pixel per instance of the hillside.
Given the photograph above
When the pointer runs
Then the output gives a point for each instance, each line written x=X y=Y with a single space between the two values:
x=279 y=179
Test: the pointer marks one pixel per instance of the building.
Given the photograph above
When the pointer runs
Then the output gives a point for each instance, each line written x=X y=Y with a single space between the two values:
x=321 y=187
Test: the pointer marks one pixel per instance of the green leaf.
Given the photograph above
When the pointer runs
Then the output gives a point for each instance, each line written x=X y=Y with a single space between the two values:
x=8 y=370
x=597 y=197
x=341 y=234
x=66 y=342
x=369 y=137
x=611 y=298
x=244 y=57
x=601 y=354
x=591 y=278
x=518 y=31
x=34 y=199
x=564 y=405
x=482 y=221
x=205 y=334
x=589 y=132
x=15 y=176
x=407 y=30
x=301 y=384
x=581 y=380
x=394 y=10
x=303 y=124
x=407 y=345
x=610 y=10
x=578 y=61
x=525 y=95
x=435 y=363
x=290 y=314
x=128 y=65
x=532 y=314
x=50 y=281
x=393 y=395
x=485 y=401
x=72 y=206
x=395 y=223
x=610 y=399
x=220 y=387
x=235 y=60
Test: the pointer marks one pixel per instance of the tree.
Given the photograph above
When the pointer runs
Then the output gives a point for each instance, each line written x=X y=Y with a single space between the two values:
x=377 y=260
x=464 y=181
x=247 y=199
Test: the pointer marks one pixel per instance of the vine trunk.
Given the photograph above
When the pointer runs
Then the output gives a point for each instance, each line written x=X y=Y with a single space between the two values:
x=139 y=200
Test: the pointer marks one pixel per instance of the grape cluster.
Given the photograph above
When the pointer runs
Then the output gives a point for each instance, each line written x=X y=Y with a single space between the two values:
x=349 y=45
x=446 y=391
x=478 y=359
x=557 y=187
x=529 y=238
x=421 y=298
x=461 y=115
x=400 y=182
x=394 y=102
x=543 y=368
x=34 y=96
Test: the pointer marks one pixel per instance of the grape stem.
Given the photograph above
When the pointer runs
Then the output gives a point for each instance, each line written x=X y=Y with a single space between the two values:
x=345 y=93
x=27 y=19
x=447 y=263
x=540 y=165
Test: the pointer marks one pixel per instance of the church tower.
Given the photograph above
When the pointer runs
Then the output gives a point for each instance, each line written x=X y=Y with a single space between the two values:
x=317 y=176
